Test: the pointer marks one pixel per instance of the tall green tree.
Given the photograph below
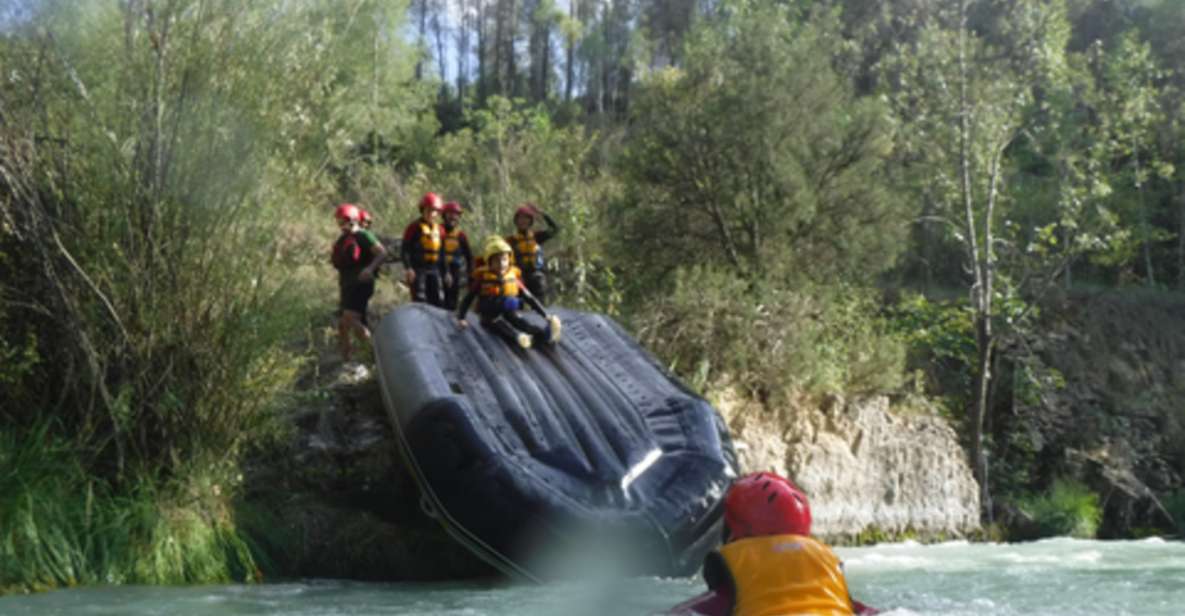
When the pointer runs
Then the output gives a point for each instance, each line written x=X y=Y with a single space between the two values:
x=964 y=97
x=756 y=155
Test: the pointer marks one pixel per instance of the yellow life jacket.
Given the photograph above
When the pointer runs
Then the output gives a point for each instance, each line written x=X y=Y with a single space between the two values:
x=430 y=241
x=526 y=249
x=491 y=284
x=785 y=574
x=452 y=242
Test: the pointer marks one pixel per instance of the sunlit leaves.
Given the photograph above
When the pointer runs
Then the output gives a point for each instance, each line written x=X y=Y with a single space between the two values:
x=756 y=154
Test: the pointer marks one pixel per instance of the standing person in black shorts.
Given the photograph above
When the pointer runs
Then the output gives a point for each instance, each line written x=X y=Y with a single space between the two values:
x=357 y=255
x=422 y=251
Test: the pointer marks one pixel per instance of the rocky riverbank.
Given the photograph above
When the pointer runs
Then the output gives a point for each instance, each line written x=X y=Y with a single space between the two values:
x=333 y=499
x=1109 y=413
x=870 y=472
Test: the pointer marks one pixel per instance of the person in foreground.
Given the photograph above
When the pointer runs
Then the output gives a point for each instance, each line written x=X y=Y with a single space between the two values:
x=498 y=288
x=769 y=564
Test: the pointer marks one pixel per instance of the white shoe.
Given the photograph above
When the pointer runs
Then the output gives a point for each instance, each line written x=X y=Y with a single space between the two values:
x=553 y=329
x=353 y=373
x=524 y=341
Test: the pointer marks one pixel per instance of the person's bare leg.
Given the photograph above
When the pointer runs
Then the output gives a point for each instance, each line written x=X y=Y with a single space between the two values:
x=343 y=335
x=351 y=325
x=360 y=330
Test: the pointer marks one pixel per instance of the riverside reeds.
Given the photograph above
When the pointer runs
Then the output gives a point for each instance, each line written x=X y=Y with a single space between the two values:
x=62 y=526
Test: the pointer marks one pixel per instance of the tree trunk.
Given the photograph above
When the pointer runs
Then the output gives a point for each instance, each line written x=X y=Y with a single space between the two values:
x=570 y=69
x=462 y=50
x=980 y=289
x=1145 y=222
x=1181 y=235
x=423 y=25
x=545 y=70
x=441 y=60
x=482 y=42
x=511 y=34
x=983 y=376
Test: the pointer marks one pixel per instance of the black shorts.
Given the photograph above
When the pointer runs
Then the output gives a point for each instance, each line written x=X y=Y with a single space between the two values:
x=356 y=296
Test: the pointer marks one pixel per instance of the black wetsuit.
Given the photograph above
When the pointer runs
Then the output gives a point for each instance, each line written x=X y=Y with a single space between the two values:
x=458 y=263
x=422 y=252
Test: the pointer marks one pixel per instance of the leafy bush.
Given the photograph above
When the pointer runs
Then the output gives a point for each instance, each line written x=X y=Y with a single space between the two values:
x=714 y=326
x=1067 y=509
x=149 y=250
x=940 y=339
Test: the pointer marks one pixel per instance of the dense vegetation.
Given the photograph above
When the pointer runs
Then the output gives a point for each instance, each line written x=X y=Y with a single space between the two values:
x=744 y=183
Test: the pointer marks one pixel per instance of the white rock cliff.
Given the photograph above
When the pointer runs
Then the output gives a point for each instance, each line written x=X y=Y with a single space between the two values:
x=863 y=467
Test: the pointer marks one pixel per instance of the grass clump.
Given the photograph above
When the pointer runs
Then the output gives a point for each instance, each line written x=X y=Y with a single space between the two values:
x=61 y=526
x=1068 y=509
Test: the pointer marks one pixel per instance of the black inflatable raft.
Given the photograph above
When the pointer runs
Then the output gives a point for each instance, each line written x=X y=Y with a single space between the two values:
x=526 y=452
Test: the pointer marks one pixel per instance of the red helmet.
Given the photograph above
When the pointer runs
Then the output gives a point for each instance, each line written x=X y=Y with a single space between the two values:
x=766 y=504
x=348 y=211
x=431 y=201
x=452 y=207
x=364 y=216
x=527 y=209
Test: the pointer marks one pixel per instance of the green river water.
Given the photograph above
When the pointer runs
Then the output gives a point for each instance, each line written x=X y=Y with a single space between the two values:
x=1058 y=576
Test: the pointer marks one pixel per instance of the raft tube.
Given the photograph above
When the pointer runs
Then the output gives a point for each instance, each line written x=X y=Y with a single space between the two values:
x=588 y=443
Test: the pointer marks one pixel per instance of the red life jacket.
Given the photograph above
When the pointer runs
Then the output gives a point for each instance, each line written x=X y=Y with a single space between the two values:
x=347 y=252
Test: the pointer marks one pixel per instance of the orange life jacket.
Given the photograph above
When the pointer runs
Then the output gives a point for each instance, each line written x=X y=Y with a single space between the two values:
x=491 y=284
x=785 y=574
x=527 y=253
x=430 y=241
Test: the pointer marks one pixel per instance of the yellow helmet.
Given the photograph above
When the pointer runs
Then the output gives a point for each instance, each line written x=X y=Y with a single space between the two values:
x=495 y=245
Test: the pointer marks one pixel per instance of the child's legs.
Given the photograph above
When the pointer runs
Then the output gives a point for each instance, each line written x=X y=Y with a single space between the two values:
x=502 y=328
x=420 y=286
x=536 y=282
x=436 y=289
x=452 y=292
x=343 y=335
x=429 y=286
x=521 y=324
x=354 y=299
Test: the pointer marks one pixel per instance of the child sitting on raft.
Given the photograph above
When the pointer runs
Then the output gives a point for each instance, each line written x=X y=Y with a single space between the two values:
x=500 y=293
x=769 y=563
